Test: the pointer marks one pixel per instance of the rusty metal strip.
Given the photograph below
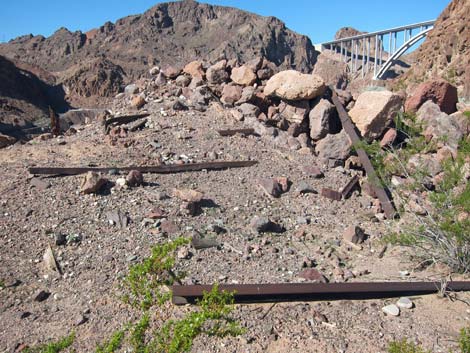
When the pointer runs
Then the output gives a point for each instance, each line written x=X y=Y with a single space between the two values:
x=258 y=293
x=331 y=194
x=161 y=169
x=125 y=119
x=350 y=186
x=350 y=129
x=236 y=131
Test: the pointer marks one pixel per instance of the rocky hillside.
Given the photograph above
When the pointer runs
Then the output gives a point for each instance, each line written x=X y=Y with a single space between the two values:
x=446 y=51
x=170 y=34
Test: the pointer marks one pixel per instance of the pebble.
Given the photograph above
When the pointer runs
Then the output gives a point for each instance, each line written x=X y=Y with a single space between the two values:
x=131 y=258
x=405 y=303
x=60 y=239
x=391 y=310
x=404 y=273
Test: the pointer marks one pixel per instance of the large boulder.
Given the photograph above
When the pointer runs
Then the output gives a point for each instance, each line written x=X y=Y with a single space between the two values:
x=321 y=118
x=243 y=75
x=439 y=91
x=374 y=111
x=293 y=85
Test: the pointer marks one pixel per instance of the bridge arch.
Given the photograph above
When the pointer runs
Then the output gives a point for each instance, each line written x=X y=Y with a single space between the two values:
x=366 y=51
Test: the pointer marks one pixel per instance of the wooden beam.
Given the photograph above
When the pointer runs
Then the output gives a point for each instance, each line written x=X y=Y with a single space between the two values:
x=350 y=129
x=160 y=169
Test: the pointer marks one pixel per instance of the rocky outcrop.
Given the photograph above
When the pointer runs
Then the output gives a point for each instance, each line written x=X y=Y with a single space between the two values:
x=97 y=77
x=174 y=34
x=293 y=85
x=438 y=91
x=446 y=51
x=373 y=112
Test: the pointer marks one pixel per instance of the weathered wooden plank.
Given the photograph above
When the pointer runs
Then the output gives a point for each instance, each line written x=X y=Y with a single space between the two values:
x=350 y=129
x=160 y=169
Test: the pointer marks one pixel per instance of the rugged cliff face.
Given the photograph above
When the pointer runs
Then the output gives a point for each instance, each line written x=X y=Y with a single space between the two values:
x=170 y=33
x=446 y=50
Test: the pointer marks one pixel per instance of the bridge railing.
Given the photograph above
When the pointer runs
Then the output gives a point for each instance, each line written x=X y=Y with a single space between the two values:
x=374 y=50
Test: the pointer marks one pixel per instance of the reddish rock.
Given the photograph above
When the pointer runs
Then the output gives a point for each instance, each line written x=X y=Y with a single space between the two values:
x=439 y=91
x=195 y=69
x=134 y=178
x=284 y=183
x=270 y=186
x=138 y=102
x=311 y=274
x=92 y=183
x=231 y=94
x=188 y=195
x=243 y=75
x=389 y=137
x=171 y=72
x=313 y=171
x=169 y=227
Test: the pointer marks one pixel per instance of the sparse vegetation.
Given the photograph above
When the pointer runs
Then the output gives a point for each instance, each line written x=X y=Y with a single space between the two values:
x=113 y=344
x=404 y=346
x=464 y=340
x=145 y=284
x=53 y=347
x=442 y=231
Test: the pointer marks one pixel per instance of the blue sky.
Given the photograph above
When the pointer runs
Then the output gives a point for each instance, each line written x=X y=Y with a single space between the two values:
x=319 y=19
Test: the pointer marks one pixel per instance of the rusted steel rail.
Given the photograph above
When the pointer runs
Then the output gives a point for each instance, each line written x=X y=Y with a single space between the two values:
x=125 y=119
x=160 y=169
x=350 y=129
x=260 y=293
x=236 y=131
x=350 y=186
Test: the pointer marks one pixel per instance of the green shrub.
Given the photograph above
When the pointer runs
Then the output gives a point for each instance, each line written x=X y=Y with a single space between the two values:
x=53 y=347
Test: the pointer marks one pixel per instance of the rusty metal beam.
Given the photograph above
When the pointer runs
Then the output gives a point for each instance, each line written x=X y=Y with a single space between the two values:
x=259 y=293
x=125 y=119
x=350 y=129
x=236 y=131
x=350 y=186
x=160 y=169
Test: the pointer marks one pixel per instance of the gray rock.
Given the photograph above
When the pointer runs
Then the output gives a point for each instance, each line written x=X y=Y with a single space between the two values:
x=337 y=146
x=248 y=109
x=319 y=119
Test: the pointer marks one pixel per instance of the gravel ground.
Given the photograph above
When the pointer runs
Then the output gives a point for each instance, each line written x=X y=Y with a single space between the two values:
x=85 y=298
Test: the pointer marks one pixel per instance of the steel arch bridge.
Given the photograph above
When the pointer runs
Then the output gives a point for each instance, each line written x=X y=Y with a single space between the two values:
x=366 y=51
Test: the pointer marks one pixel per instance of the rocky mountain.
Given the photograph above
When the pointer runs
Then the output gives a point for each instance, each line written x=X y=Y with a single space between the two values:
x=172 y=33
x=26 y=92
x=446 y=50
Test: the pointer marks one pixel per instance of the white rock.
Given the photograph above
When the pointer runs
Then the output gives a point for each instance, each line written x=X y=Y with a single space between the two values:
x=391 y=310
x=405 y=303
